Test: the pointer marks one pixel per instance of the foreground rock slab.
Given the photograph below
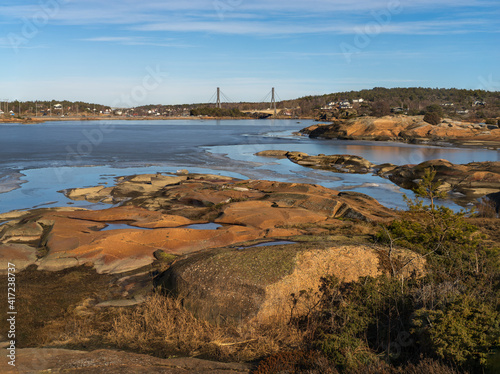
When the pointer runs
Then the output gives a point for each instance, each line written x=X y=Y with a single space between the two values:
x=36 y=360
x=158 y=220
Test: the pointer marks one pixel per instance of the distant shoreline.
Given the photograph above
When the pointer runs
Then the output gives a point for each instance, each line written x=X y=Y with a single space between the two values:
x=33 y=120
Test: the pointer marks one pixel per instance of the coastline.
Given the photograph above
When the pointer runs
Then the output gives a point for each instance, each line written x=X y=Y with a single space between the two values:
x=33 y=120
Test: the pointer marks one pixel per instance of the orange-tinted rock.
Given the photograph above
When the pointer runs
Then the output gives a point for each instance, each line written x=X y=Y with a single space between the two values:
x=135 y=216
x=20 y=255
x=322 y=200
x=406 y=128
x=250 y=210
x=263 y=215
x=73 y=242
x=472 y=180
x=23 y=232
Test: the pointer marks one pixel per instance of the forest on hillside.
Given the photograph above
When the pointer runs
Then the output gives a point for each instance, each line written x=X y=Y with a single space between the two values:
x=472 y=105
x=458 y=103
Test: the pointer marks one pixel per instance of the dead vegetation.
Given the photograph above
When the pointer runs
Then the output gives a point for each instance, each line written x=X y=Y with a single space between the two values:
x=162 y=327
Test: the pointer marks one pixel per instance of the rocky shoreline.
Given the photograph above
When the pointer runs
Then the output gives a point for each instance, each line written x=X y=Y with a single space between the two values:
x=465 y=184
x=409 y=129
x=158 y=211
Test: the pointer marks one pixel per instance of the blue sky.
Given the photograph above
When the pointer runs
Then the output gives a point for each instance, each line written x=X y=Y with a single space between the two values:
x=130 y=53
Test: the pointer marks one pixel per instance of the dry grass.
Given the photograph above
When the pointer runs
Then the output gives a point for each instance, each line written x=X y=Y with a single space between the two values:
x=486 y=208
x=163 y=328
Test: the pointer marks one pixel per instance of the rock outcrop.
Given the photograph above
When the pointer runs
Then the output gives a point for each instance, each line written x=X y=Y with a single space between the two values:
x=472 y=180
x=246 y=210
x=408 y=129
x=465 y=183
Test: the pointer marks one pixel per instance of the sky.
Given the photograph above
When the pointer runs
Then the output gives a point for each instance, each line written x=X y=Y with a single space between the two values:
x=127 y=53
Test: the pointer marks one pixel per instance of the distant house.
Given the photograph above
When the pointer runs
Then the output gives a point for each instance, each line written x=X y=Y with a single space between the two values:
x=479 y=103
x=58 y=106
x=397 y=110
x=357 y=101
x=462 y=111
x=1 y=112
x=447 y=104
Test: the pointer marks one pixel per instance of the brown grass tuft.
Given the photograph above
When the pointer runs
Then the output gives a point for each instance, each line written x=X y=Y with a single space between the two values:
x=486 y=208
x=162 y=327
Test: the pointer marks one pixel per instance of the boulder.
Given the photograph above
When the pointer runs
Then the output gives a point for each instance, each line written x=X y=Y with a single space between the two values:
x=257 y=282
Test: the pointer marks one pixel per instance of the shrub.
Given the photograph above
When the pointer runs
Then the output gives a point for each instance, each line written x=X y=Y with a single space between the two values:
x=465 y=332
x=433 y=118
x=358 y=321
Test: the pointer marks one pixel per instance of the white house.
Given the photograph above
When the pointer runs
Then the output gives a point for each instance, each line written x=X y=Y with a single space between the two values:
x=58 y=106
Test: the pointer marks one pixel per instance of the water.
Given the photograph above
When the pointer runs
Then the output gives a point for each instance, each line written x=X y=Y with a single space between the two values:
x=38 y=160
x=121 y=226
x=269 y=244
x=204 y=226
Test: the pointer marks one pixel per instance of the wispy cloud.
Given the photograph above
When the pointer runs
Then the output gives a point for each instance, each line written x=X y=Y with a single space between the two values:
x=427 y=27
x=137 y=40
x=271 y=17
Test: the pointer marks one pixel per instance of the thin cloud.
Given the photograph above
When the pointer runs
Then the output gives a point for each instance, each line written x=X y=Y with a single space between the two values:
x=152 y=12
x=280 y=28
x=126 y=40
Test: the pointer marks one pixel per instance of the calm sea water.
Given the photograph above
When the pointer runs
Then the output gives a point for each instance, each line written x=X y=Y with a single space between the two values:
x=38 y=160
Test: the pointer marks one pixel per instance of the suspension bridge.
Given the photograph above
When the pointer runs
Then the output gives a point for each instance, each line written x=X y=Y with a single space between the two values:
x=218 y=98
